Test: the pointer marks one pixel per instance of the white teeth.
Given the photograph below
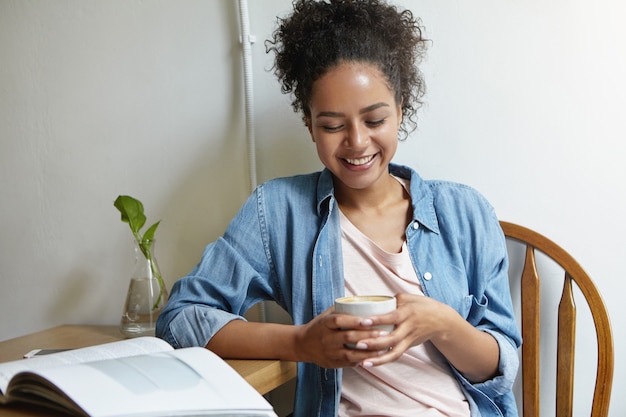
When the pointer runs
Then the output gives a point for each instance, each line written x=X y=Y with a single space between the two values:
x=360 y=161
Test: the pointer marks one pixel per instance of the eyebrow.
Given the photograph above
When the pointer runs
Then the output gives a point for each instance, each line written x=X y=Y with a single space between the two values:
x=362 y=111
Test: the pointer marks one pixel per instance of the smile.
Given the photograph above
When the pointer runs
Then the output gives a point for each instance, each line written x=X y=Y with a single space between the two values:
x=359 y=161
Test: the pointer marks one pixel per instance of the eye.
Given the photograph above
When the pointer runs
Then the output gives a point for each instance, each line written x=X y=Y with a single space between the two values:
x=332 y=129
x=375 y=123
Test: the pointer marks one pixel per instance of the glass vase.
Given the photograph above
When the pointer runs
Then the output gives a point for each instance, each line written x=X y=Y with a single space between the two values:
x=146 y=295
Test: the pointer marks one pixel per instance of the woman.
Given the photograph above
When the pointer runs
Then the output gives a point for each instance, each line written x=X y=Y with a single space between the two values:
x=361 y=226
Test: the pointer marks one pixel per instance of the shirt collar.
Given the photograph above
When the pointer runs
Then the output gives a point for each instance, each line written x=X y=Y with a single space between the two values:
x=421 y=195
x=325 y=190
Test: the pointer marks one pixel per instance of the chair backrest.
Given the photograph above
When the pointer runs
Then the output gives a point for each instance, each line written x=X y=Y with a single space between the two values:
x=530 y=298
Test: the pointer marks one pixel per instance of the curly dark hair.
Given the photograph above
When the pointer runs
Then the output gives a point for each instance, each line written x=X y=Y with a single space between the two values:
x=319 y=35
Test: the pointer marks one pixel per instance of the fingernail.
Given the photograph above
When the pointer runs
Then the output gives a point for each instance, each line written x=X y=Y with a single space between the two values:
x=366 y=322
x=367 y=364
x=361 y=345
x=383 y=333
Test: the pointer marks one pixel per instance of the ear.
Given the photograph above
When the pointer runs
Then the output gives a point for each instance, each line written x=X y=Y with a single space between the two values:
x=307 y=122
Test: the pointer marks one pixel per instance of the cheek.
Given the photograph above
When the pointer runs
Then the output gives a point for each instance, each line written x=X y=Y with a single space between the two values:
x=390 y=142
x=326 y=148
x=391 y=133
x=323 y=154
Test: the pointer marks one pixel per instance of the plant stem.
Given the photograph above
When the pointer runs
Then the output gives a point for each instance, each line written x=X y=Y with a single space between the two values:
x=145 y=247
x=156 y=273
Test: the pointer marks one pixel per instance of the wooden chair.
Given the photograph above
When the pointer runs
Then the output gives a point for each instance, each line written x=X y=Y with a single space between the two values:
x=530 y=297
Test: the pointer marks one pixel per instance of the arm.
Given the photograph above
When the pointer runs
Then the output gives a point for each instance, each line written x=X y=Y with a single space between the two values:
x=320 y=341
x=241 y=339
x=471 y=351
x=233 y=274
x=419 y=319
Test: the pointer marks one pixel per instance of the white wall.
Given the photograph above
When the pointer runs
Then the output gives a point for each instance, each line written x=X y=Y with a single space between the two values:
x=100 y=99
x=525 y=103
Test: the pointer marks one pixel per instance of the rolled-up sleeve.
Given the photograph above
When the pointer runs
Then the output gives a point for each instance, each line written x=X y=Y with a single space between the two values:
x=194 y=325
x=231 y=277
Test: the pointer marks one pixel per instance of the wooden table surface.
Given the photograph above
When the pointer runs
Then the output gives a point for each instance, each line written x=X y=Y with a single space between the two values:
x=263 y=375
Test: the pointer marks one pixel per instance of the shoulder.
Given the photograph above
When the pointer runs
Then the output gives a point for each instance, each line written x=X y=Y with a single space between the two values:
x=462 y=209
x=303 y=182
x=439 y=201
x=296 y=193
x=296 y=188
x=438 y=189
x=458 y=193
x=278 y=201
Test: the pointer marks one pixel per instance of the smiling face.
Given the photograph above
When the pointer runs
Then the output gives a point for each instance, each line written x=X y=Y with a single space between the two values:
x=354 y=123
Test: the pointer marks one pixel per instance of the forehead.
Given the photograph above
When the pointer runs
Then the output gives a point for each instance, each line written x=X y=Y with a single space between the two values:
x=349 y=82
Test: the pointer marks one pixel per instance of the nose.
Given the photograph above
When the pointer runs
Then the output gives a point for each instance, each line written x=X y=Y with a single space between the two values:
x=356 y=137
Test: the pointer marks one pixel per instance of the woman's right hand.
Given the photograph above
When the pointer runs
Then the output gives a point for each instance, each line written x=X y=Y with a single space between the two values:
x=323 y=340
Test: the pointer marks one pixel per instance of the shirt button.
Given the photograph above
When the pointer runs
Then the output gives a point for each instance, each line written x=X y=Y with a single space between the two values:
x=416 y=225
x=428 y=276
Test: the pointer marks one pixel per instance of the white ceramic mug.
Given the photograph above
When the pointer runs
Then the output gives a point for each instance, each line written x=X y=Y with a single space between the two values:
x=367 y=306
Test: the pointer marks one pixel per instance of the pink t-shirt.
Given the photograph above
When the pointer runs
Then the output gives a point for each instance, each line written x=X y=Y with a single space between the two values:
x=420 y=382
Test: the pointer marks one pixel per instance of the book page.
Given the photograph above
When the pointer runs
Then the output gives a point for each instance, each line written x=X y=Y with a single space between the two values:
x=191 y=381
x=122 y=348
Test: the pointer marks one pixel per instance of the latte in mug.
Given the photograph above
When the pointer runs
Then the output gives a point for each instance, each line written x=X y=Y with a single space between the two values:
x=367 y=306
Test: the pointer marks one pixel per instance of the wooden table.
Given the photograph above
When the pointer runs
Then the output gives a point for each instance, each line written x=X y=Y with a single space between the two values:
x=263 y=375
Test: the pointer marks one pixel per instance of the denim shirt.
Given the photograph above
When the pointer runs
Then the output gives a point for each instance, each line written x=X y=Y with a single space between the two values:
x=285 y=245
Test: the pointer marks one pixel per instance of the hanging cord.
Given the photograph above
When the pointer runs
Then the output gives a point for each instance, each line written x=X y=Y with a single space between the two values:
x=247 y=40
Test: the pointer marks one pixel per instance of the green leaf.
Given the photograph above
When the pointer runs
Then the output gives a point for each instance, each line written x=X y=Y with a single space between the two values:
x=132 y=212
x=149 y=235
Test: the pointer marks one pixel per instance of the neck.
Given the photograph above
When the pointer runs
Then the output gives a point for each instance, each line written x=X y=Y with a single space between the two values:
x=387 y=191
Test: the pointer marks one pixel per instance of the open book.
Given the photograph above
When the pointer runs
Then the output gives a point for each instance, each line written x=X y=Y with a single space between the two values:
x=143 y=376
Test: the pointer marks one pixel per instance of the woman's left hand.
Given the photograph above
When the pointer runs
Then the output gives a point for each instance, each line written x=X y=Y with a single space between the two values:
x=418 y=319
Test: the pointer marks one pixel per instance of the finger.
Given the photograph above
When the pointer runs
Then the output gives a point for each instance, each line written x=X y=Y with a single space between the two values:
x=387 y=349
x=382 y=357
x=345 y=357
x=365 y=339
x=345 y=321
